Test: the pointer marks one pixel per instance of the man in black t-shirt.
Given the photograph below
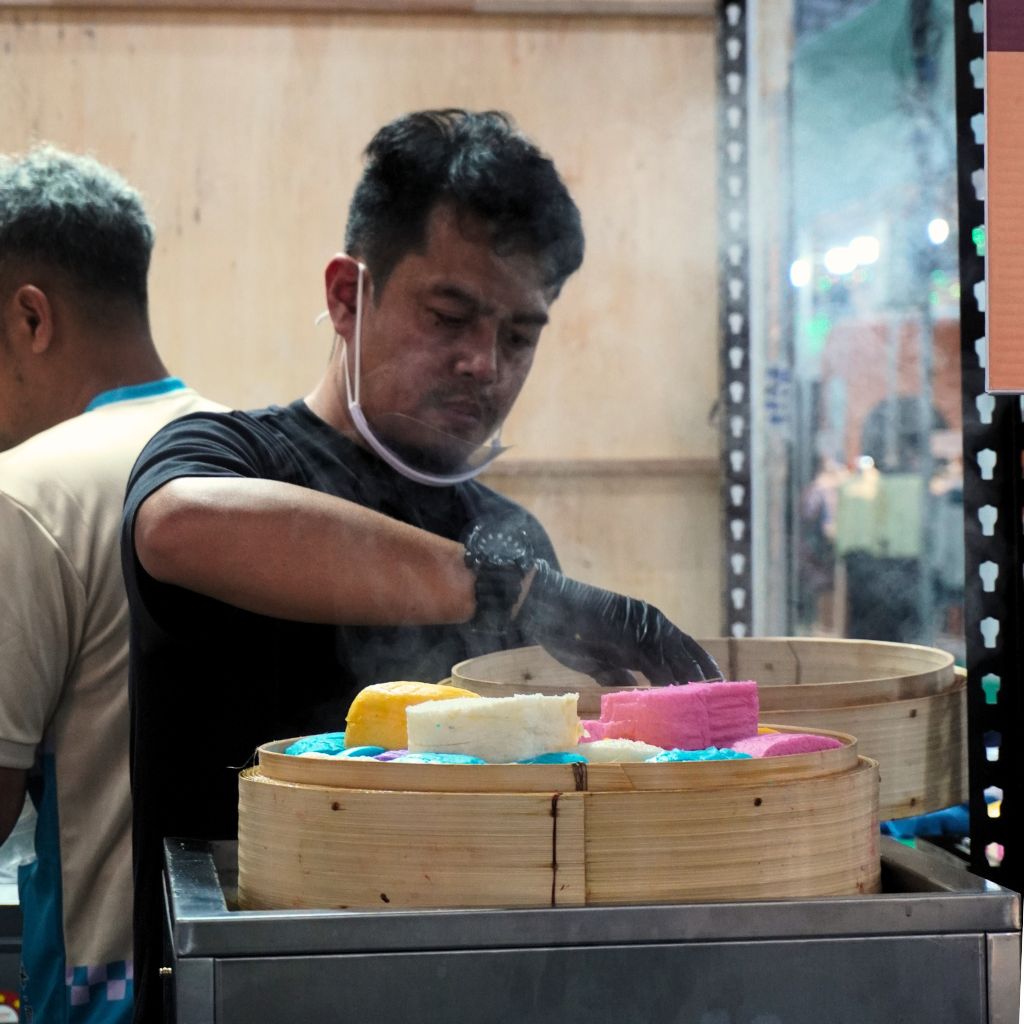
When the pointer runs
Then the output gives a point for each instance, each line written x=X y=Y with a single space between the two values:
x=279 y=560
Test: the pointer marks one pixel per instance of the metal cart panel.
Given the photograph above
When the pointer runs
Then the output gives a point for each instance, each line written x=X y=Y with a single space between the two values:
x=804 y=982
x=938 y=946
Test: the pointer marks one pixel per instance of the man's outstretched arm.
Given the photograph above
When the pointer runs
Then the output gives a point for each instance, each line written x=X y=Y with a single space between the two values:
x=293 y=553
x=289 y=552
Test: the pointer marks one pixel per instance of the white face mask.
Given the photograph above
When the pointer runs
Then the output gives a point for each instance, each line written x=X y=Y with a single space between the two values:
x=478 y=457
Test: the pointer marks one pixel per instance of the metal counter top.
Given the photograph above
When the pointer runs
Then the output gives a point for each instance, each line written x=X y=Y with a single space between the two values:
x=926 y=893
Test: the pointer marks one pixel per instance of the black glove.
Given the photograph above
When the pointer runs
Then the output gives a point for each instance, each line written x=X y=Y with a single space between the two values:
x=594 y=631
x=605 y=634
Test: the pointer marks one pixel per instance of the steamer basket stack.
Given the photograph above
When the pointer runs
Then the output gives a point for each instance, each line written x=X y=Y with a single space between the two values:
x=318 y=833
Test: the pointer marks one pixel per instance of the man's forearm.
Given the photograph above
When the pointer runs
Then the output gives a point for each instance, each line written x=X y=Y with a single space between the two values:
x=294 y=553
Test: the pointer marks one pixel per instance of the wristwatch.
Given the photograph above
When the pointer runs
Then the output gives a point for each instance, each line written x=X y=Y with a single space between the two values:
x=500 y=556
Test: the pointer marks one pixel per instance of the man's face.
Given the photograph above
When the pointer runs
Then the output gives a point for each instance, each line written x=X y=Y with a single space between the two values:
x=448 y=341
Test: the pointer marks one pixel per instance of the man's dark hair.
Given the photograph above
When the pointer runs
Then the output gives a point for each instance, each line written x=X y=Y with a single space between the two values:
x=69 y=212
x=481 y=164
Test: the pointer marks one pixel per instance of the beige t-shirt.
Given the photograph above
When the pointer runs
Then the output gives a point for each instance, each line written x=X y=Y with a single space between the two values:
x=64 y=664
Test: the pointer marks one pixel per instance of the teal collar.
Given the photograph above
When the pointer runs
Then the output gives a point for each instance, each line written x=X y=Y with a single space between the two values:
x=147 y=390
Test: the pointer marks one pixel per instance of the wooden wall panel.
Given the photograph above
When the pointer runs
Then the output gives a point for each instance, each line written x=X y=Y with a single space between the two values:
x=654 y=536
x=244 y=130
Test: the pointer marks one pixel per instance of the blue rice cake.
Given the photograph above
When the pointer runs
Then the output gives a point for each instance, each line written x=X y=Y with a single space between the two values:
x=556 y=757
x=431 y=757
x=707 y=754
x=326 y=743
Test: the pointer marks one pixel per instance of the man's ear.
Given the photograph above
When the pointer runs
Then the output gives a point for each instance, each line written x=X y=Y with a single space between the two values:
x=28 y=317
x=342 y=281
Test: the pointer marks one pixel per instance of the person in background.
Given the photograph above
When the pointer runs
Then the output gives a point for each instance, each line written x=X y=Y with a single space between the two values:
x=883 y=520
x=82 y=388
x=279 y=560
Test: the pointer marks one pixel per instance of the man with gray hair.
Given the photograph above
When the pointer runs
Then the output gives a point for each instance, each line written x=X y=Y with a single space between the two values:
x=82 y=388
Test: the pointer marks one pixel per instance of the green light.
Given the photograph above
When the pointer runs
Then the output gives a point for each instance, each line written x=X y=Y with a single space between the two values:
x=824 y=284
x=816 y=331
x=990 y=684
x=939 y=278
x=978 y=238
x=954 y=291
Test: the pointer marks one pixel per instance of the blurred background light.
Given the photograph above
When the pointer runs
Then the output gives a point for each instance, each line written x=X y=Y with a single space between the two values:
x=840 y=260
x=938 y=230
x=865 y=249
x=800 y=273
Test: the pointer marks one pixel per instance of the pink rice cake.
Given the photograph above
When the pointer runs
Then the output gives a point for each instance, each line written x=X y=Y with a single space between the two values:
x=732 y=710
x=779 y=743
x=594 y=729
x=688 y=717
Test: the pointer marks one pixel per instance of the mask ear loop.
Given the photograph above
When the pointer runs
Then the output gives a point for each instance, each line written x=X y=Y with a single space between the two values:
x=351 y=395
x=359 y=341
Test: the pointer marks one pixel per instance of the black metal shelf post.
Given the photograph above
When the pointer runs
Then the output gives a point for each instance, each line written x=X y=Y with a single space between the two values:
x=735 y=403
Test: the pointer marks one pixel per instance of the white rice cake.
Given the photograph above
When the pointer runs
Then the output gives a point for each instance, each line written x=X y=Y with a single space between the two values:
x=604 y=751
x=497 y=729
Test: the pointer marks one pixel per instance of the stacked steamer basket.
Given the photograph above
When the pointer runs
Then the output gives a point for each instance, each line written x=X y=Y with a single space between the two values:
x=905 y=704
x=333 y=833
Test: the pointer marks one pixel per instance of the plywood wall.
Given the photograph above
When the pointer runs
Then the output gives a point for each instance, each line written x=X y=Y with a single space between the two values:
x=243 y=130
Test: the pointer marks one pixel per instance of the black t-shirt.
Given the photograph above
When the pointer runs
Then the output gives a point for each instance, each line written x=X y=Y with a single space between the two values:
x=210 y=682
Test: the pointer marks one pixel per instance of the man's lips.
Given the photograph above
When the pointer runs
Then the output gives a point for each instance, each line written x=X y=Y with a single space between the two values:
x=463 y=421
x=467 y=410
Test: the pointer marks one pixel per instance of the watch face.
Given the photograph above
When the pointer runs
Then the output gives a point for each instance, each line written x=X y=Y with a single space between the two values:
x=510 y=546
x=496 y=546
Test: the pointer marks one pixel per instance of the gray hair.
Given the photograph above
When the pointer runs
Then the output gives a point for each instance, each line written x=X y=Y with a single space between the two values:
x=70 y=212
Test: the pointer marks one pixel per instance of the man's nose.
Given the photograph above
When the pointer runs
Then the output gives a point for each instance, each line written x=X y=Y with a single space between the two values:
x=478 y=353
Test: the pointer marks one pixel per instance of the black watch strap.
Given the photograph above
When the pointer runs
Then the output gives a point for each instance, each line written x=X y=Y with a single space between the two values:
x=500 y=556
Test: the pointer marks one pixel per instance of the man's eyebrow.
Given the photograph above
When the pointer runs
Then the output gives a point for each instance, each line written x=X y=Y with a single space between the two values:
x=471 y=302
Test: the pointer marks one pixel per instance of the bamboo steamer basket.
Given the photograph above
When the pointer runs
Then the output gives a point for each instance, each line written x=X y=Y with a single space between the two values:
x=321 y=833
x=905 y=704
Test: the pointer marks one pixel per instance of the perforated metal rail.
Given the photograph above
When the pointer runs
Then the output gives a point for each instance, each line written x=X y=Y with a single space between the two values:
x=734 y=305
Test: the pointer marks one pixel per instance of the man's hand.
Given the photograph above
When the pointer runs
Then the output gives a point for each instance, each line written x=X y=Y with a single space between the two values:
x=607 y=635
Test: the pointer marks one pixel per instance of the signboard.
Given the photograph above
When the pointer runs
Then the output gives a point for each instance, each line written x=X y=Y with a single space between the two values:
x=1004 y=228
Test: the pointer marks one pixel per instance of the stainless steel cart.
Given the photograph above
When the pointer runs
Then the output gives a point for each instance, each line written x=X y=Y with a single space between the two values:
x=938 y=946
